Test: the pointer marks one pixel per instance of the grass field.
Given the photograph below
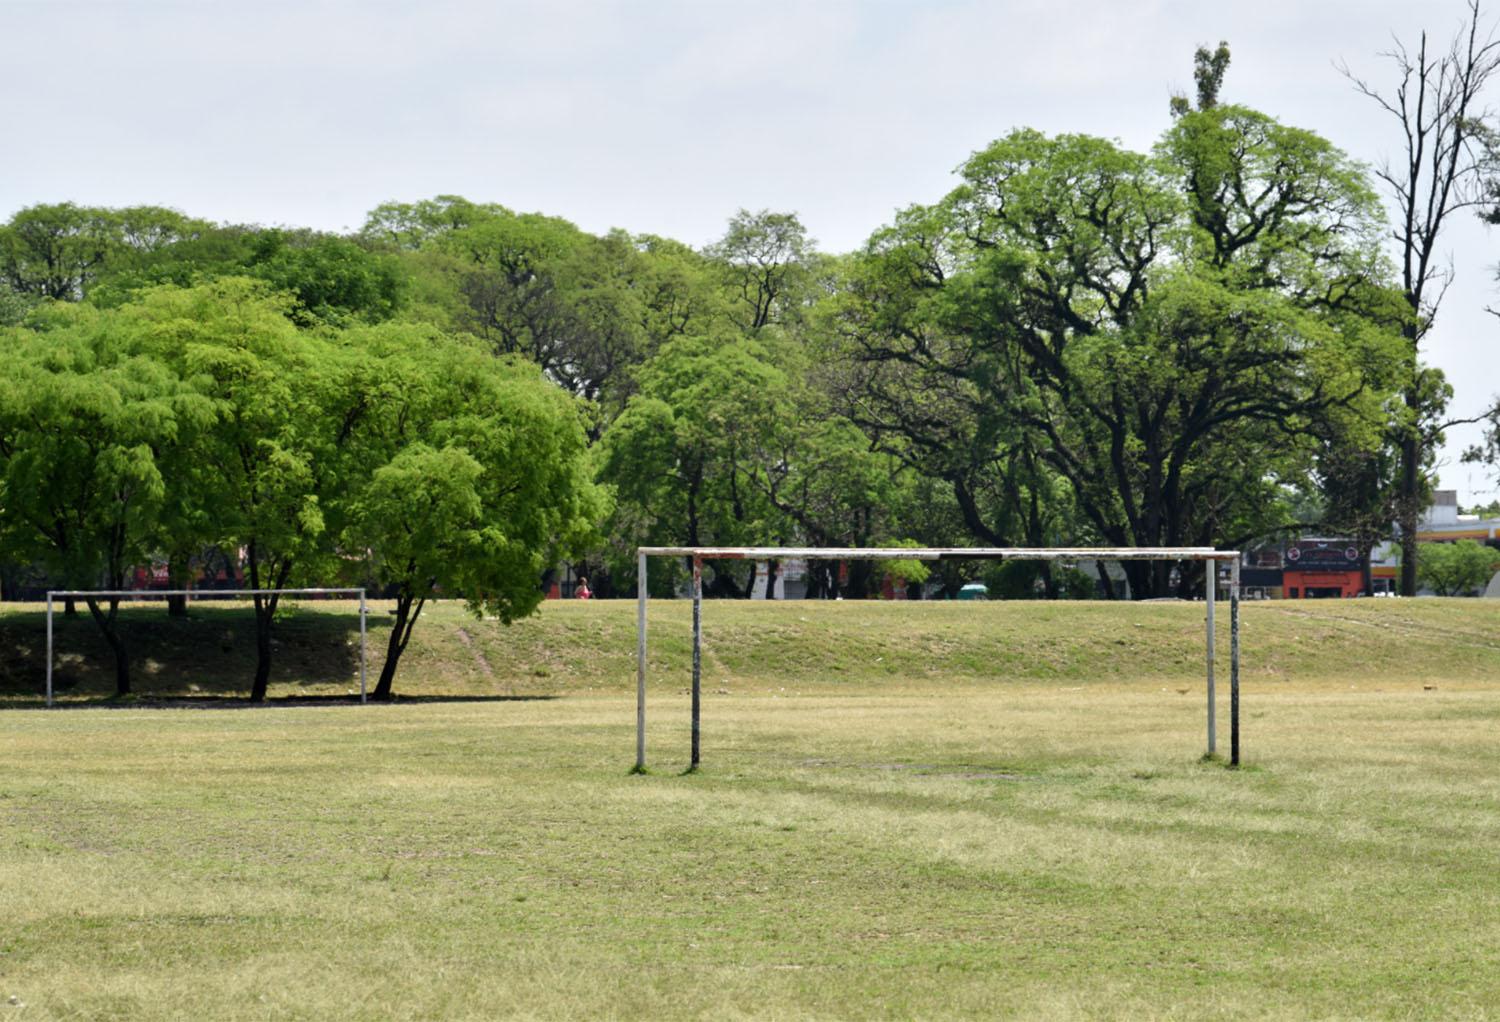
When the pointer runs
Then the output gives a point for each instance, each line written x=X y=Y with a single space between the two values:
x=927 y=811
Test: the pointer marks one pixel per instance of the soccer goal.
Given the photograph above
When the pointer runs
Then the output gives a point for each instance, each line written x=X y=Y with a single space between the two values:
x=200 y=594
x=1208 y=555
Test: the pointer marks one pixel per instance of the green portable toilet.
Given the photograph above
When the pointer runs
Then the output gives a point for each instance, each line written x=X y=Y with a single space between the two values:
x=974 y=591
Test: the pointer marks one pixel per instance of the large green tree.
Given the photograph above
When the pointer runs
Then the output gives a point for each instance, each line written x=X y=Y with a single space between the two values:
x=59 y=251
x=333 y=281
x=766 y=260
x=1159 y=330
x=681 y=455
x=288 y=432
x=486 y=485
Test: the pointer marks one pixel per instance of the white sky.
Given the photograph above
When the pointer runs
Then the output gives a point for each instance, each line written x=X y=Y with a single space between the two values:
x=664 y=115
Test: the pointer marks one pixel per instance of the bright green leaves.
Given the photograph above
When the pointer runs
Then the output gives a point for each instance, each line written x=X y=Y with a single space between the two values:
x=479 y=482
x=681 y=454
x=85 y=429
x=204 y=417
x=1276 y=205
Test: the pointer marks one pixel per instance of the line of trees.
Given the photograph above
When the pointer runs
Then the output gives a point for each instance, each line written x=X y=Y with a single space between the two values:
x=201 y=416
x=1206 y=343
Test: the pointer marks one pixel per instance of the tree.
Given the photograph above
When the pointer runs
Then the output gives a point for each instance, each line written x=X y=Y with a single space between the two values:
x=538 y=286
x=86 y=424
x=1355 y=499
x=413 y=225
x=494 y=491
x=680 y=455
x=288 y=409
x=335 y=281
x=1457 y=569
x=765 y=258
x=1162 y=330
x=946 y=425
x=1446 y=165
x=59 y=251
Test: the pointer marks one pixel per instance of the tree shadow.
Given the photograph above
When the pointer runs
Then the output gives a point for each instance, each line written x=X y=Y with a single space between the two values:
x=206 y=657
x=227 y=702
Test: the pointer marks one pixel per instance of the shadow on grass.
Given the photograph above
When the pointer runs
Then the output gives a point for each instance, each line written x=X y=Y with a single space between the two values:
x=225 y=702
x=206 y=655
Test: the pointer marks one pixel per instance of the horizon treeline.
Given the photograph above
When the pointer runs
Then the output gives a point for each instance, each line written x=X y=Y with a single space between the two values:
x=1205 y=344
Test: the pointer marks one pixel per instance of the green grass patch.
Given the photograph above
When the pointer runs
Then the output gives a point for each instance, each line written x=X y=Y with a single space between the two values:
x=981 y=842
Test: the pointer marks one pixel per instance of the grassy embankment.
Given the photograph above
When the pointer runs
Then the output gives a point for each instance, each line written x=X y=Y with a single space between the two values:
x=755 y=647
x=905 y=811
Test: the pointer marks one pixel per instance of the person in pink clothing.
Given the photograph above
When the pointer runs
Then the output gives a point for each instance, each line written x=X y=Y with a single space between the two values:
x=583 y=592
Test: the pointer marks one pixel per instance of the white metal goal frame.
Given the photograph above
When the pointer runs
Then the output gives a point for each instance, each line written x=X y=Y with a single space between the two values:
x=1209 y=555
x=152 y=594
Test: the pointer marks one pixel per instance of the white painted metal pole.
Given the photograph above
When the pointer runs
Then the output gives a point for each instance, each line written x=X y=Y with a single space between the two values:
x=362 y=646
x=1210 y=587
x=49 y=649
x=1234 y=662
x=640 y=661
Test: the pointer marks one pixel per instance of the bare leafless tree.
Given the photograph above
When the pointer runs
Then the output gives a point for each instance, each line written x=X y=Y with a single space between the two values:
x=1446 y=165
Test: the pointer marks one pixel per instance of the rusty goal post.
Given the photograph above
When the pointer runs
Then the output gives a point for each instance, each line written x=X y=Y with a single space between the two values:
x=697 y=555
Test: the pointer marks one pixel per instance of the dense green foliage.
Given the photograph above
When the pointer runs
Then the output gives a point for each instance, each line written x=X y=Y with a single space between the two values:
x=213 y=416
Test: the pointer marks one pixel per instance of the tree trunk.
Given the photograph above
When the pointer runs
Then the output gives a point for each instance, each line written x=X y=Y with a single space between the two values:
x=1409 y=513
x=861 y=577
x=408 y=609
x=1105 y=580
x=393 y=648
x=70 y=607
x=179 y=574
x=107 y=625
x=817 y=583
x=262 y=653
x=265 y=617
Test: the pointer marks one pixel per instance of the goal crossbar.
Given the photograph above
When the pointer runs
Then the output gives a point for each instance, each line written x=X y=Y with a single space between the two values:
x=827 y=553
x=1210 y=556
x=151 y=594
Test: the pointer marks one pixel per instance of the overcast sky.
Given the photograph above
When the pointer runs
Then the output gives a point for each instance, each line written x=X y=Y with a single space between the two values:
x=665 y=115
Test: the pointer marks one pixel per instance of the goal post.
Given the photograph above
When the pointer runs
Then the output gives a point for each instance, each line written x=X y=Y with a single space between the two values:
x=1210 y=556
x=151 y=594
